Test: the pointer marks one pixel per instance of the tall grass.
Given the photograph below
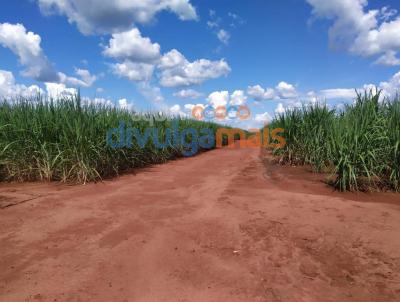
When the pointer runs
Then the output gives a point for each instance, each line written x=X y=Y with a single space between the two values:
x=359 y=145
x=65 y=140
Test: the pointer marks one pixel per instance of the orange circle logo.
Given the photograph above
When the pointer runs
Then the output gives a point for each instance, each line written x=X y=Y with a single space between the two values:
x=197 y=112
x=220 y=112
x=243 y=112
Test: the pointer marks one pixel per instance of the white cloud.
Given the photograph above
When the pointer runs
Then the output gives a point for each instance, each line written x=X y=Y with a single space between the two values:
x=178 y=71
x=391 y=88
x=238 y=97
x=263 y=118
x=8 y=87
x=125 y=104
x=188 y=94
x=172 y=59
x=218 y=98
x=212 y=24
x=362 y=32
x=26 y=45
x=382 y=39
x=387 y=13
x=191 y=106
x=223 y=36
x=93 y=16
x=286 y=91
x=130 y=45
x=293 y=104
x=175 y=109
x=282 y=91
x=86 y=79
x=388 y=59
x=140 y=57
x=279 y=109
x=55 y=90
x=338 y=93
x=135 y=72
x=259 y=94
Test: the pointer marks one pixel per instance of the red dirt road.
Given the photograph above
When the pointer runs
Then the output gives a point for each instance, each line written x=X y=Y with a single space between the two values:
x=218 y=227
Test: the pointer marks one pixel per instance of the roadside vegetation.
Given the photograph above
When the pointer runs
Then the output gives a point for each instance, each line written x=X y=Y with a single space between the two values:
x=359 y=145
x=64 y=140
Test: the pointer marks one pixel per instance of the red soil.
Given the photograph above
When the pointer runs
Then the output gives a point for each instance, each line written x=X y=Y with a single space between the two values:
x=218 y=227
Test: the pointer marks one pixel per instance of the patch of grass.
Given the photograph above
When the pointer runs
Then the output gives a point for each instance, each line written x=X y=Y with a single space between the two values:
x=65 y=140
x=359 y=145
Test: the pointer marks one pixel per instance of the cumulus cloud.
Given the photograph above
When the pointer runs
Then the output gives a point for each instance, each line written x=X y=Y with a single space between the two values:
x=391 y=88
x=388 y=59
x=135 y=72
x=8 y=87
x=140 y=57
x=98 y=17
x=263 y=118
x=260 y=94
x=125 y=104
x=238 y=97
x=222 y=98
x=84 y=78
x=223 y=36
x=26 y=45
x=55 y=90
x=282 y=91
x=130 y=45
x=218 y=98
x=286 y=90
x=360 y=31
x=176 y=110
x=178 y=71
x=188 y=94
x=279 y=109
x=172 y=59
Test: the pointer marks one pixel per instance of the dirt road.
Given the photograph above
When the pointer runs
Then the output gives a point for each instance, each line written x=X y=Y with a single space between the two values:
x=221 y=226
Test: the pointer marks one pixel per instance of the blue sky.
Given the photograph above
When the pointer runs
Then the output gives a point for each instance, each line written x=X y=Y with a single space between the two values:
x=268 y=55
